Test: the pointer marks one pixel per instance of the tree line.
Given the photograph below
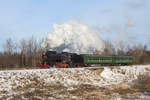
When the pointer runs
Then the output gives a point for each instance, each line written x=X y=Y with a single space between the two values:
x=140 y=52
x=27 y=53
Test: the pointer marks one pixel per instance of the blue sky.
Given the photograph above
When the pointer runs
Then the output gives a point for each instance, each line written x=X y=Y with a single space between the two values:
x=24 y=18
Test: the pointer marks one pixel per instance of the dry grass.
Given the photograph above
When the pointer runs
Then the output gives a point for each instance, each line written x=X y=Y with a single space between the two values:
x=60 y=92
x=18 y=68
x=121 y=86
x=98 y=70
x=142 y=83
x=122 y=89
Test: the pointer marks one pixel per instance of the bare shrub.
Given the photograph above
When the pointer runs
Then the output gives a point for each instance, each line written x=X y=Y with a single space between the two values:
x=142 y=83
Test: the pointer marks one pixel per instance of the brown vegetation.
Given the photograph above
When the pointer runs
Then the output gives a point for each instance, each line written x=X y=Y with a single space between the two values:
x=25 y=54
x=140 y=53
x=142 y=83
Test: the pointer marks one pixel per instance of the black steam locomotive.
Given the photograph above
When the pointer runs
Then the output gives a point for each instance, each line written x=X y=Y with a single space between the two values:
x=61 y=60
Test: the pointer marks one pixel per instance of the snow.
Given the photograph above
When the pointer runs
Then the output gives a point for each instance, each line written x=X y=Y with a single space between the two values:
x=123 y=73
x=12 y=79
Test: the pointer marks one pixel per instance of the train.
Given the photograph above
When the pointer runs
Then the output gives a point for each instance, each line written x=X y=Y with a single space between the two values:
x=74 y=60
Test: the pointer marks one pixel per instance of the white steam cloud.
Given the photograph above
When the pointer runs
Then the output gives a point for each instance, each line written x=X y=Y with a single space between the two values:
x=75 y=37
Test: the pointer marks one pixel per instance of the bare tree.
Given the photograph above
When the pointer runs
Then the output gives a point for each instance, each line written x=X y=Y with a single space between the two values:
x=109 y=48
x=23 y=50
x=32 y=50
x=9 y=46
x=47 y=44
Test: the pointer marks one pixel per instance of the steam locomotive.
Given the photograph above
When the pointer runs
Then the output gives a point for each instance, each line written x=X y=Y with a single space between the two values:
x=69 y=60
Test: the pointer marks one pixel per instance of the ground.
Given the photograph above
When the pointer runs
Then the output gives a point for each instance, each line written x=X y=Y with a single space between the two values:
x=110 y=83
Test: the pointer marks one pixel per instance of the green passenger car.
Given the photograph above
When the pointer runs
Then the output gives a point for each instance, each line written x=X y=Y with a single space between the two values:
x=122 y=59
x=110 y=60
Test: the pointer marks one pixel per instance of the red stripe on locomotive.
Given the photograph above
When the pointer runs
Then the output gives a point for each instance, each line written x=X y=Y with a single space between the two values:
x=61 y=64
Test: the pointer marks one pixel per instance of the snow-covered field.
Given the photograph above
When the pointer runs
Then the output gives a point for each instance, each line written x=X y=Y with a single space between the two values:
x=72 y=83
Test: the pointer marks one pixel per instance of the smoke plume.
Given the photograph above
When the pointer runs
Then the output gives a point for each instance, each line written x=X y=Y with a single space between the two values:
x=75 y=37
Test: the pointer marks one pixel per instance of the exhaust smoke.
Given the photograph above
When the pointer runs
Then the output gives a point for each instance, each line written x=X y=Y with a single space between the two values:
x=76 y=37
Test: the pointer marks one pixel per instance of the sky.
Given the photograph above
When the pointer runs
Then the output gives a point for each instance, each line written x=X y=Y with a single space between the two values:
x=128 y=20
